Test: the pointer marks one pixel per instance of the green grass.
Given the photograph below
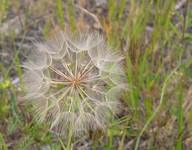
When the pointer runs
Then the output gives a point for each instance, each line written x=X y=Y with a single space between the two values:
x=156 y=43
x=60 y=13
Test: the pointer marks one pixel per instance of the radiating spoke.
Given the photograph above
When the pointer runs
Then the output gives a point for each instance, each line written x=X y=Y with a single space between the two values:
x=82 y=91
x=57 y=92
x=83 y=98
x=84 y=69
x=60 y=82
x=93 y=79
x=86 y=72
x=72 y=87
x=93 y=89
x=76 y=64
x=59 y=73
x=63 y=94
x=67 y=68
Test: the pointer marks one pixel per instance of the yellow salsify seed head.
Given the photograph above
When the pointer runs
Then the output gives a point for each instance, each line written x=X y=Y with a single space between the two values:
x=73 y=82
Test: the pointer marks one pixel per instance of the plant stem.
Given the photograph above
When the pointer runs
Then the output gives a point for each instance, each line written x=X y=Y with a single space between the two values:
x=158 y=107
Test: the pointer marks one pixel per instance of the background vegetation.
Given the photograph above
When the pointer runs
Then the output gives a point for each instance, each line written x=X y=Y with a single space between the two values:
x=155 y=36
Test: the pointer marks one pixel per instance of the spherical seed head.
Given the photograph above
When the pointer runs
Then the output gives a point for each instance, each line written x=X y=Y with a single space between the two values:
x=73 y=82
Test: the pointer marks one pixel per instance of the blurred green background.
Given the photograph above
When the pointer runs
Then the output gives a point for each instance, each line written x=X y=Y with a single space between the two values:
x=155 y=37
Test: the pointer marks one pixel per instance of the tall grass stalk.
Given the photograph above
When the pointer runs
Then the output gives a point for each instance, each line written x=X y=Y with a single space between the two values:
x=166 y=83
x=60 y=13
x=180 y=119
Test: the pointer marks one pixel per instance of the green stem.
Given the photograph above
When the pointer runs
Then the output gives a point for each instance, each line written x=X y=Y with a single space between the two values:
x=158 y=107
x=69 y=139
x=63 y=146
